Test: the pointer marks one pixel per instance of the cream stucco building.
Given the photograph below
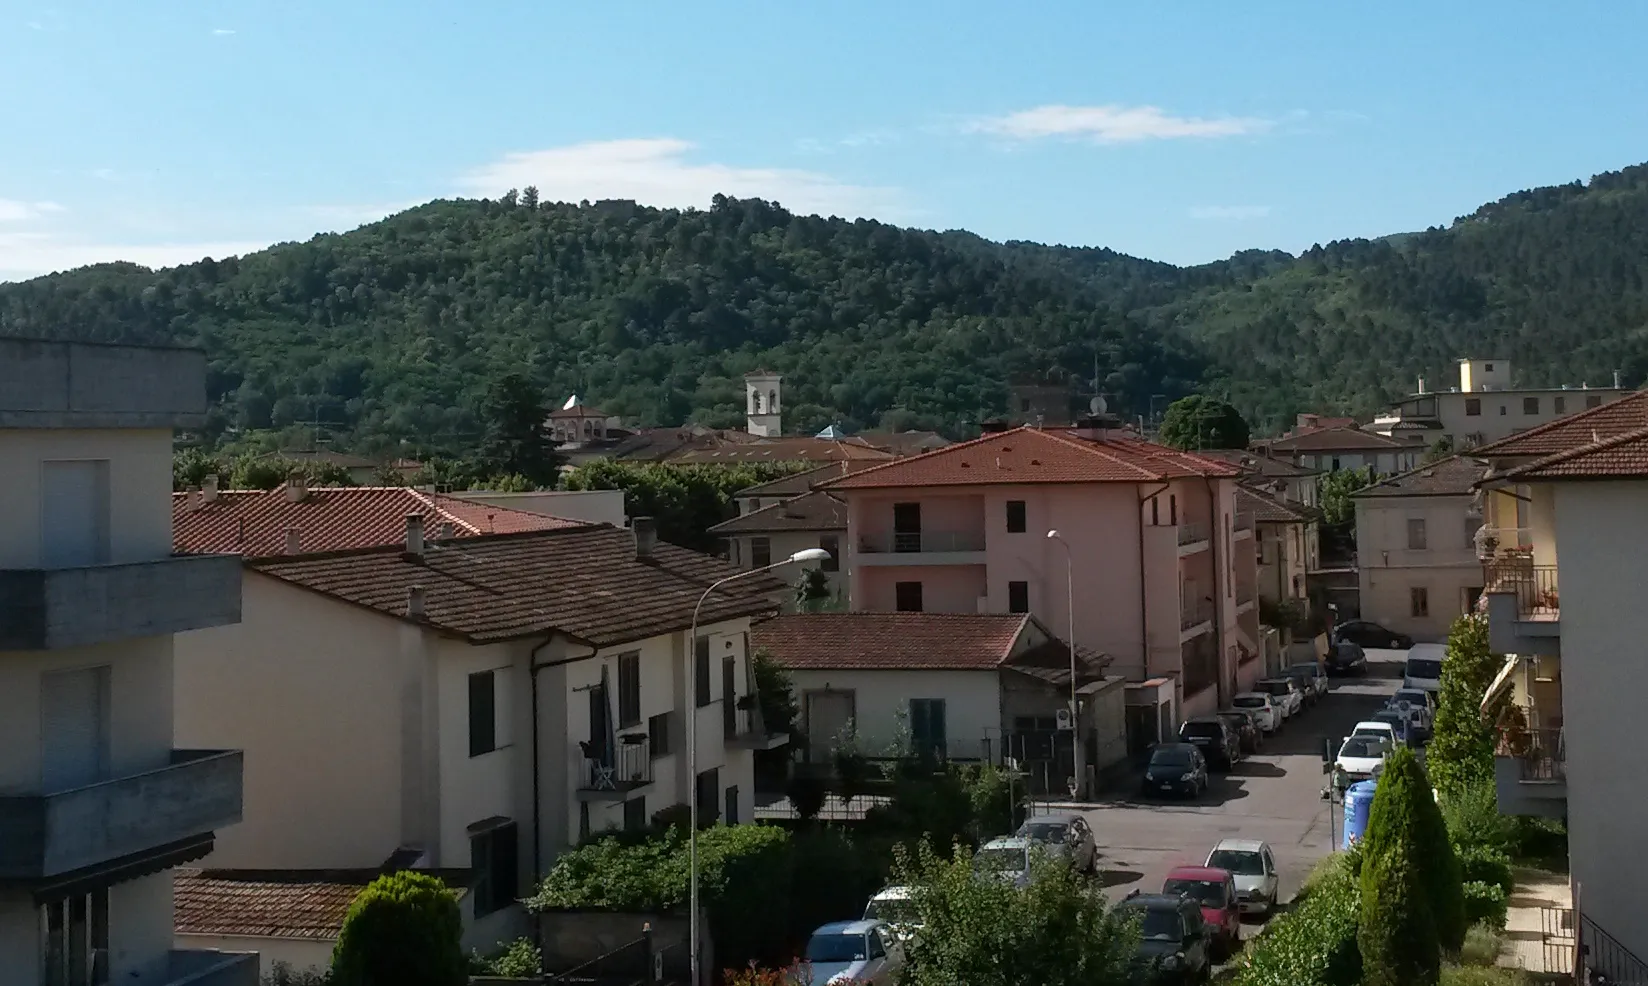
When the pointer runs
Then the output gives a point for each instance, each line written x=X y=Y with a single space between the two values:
x=1486 y=406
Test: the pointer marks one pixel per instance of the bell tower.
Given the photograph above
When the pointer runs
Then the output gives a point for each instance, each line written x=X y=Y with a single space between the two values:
x=762 y=407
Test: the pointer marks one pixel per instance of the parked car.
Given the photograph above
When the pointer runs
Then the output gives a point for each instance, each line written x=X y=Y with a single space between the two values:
x=1423 y=668
x=1400 y=723
x=1310 y=677
x=1006 y=859
x=1175 y=944
x=894 y=906
x=1285 y=693
x=1175 y=768
x=1347 y=657
x=1217 y=741
x=1360 y=758
x=1264 y=709
x=1379 y=728
x=1370 y=634
x=1215 y=891
x=1246 y=724
x=860 y=952
x=1253 y=867
x=1420 y=707
x=1064 y=835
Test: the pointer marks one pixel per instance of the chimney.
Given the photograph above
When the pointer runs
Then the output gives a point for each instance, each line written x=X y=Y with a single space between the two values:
x=1421 y=385
x=1616 y=380
x=645 y=530
x=446 y=531
x=209 y=490
x=294 y=541
x=994 y=426
x=414 y=535
x=1097 y=427
x=414 y=602
x=297 y=486
x=191 y=498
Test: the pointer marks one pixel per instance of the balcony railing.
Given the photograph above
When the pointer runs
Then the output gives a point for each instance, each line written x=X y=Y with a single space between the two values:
x=1190 y=533
x=912 y=542
x=628 y=767
x=1539 y=750
x=1535 y=587
x=1195 y=614
x=1605 y=959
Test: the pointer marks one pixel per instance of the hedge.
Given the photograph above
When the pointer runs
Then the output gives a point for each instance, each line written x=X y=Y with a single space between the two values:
x=1314 y=943
x=1483 y=864
x=1486 y=902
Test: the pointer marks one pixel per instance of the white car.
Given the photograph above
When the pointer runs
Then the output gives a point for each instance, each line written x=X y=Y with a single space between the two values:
x=895 y=906
x=1361 y=758
x=1380 y=730
x=1264 y=710
x=1252 y=866
x=1420 y=706
x=862 y=953
x=1006 y=859
x=1424 y=667
x=1284 y=692
x=1310 y=674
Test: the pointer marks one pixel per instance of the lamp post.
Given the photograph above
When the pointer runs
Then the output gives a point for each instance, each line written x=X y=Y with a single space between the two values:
x=1075 y=709
x=806 y=554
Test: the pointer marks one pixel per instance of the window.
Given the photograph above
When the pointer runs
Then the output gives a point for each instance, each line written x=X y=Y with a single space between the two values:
x=1530 y=405
x=493 y=858
x=74 y=513
x=1416 y=534
x=707 y=789
x=629 y=688
x=1419 y=600
x=760 y=552
x=701 y=671
x=1593 y=400
x=832 y=544
x=1263 y=554
x=635 y=814
x=906 y=527
x=1018 y=597
x=658 y=735
x=1173 y=509
x=1503 y=410
x=927 y=734
x=733 y=552
x=1335 y=466
x=1487 y=368
x=75 y=727
x=483 y=713
x=1155 y=511
x=583 y=819
x=907 y=597
x=76 y=946
x=731 y=815
x=1473 y=406
x=1015 y=517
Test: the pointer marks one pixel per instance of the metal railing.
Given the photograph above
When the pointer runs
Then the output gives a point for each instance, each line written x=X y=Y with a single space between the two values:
x=1535 y=586
x=1190 y=533
x=1195 y=614
x=910 y=542
x=1604 y=960
x=629 y=963
x=1539 y=750
x=629 y=766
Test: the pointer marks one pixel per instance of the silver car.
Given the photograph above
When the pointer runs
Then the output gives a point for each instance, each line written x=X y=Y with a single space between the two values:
x=1064 y=835
x=1253 y=867
x=1006 y=859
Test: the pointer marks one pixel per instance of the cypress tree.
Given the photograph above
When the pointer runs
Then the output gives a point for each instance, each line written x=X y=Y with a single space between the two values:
x=1404 y=821
x=1395 y=932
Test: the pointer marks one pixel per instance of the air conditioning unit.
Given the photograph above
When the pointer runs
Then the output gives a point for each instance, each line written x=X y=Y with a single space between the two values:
x=1062 y=719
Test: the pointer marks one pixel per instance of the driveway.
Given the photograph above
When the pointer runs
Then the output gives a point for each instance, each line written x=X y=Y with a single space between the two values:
x=1275 y=796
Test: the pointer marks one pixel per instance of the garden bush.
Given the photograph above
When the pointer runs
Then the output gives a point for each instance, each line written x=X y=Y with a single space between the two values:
x=1473 y=818
x=1483 y=943
x=1460 y=752
x=404 y=929
x=1313 y=943
x=1396 y=935
x=1405 y=821
x=1485 y=902
x=1481 y=864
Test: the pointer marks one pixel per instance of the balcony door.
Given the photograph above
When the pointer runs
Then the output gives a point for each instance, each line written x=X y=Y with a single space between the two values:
x=906 y=527
x=74 y=728
x=74 y=513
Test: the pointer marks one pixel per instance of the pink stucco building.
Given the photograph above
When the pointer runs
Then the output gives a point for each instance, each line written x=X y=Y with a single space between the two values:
x=1162 y=570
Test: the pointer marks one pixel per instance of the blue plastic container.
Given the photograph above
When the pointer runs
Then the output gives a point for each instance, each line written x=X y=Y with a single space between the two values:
x=1358 y=801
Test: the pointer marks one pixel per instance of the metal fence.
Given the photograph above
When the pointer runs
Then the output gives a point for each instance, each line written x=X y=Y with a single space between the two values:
x=1604 y=960
x=1535 y=587
x=630 y=964
x=916 y=541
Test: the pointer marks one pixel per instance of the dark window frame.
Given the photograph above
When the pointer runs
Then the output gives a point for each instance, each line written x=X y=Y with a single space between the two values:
x=629 y=689
x=483 y=713
x=1017 y=517
x=1018 y=597
x=658 y=735
x=1419 y=601
x=832 y=544
x=1473 y=407
x=494 y=857
x=760 y=551
x=701 y=672
x=901 y=597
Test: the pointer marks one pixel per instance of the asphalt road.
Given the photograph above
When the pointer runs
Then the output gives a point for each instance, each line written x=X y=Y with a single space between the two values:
x=1275 y=796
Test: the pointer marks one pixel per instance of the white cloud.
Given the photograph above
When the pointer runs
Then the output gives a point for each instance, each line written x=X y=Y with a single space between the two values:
x=12 y=211
x=223 y=32
x=1230 y=212
x=24 y=255
x=1113 y=124
x=655 y=171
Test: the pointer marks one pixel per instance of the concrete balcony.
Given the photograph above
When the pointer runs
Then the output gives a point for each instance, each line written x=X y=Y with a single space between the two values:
x=1530 y=770
x=1524 y=609
x=1246 y=598
x=1243 y=525
x=612 y=777
x=96 y=385
x=1195 y=620
x=204 y=967
x=46 y=835
x=744 y=730
x=922 y=548
x=1193 y=538
x=54 y=608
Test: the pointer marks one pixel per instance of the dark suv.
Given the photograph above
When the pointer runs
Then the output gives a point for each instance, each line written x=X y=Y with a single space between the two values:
x=1175 y=943
x=1214 y=737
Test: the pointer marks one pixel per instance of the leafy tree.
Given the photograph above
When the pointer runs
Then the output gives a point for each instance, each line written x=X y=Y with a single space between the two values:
x=1338 y=509
x=529 y=197
x=1058 y=931
x=191 y=466
x=686 y=501
x=1395 y=934
x=777 y=692
x=516 y=439
x=812 y=590
x=404 y=929
x=1201 y=422
x=1438 y=450
x=1461 y=750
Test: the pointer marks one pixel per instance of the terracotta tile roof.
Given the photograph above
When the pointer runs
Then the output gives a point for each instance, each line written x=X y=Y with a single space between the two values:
x=816 y=511
x=333 y=518
x=1257 y=464
x=1454 y=476
x=805 y=481
x=1035 y=455
x=1622 y=456
x=890 y=641
x=784 y=450
x=305 y=904
x=1581 y=428
x=584 y=582
x=1332 y=439
x=1267 y=509
x=905 y=442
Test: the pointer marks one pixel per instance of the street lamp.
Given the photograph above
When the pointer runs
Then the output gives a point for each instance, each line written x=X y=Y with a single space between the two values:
x=804 y=555
x=1075 y=709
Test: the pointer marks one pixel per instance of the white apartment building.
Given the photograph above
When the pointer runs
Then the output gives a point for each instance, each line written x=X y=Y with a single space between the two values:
x=1565 y=550
x=1486 y=406
x=98 y=802
x=790 y=514
x=1417 y=568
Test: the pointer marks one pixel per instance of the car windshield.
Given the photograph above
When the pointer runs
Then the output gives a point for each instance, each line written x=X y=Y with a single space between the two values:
x=1000 y=860
x=1424 y=667
x=1205 y=892
x=1250 y=702
x=837 y=948
x=1362 y=746
x=1303 y=670
x=1160 y=924
x=1275 y=687
x=892 y=909
x=1238 y=861
x=1044 y=831
x=1170 y=757
x=1201 y=729
x=1413 y=697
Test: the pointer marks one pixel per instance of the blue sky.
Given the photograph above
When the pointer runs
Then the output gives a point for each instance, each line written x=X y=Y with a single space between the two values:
x=160 y=132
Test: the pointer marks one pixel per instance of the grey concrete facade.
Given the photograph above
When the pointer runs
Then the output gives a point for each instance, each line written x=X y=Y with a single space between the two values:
x=47 y=384
x=51 y=609
x=45 y=835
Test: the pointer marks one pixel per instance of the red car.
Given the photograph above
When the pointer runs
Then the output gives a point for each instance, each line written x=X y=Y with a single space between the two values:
x=1215 y=891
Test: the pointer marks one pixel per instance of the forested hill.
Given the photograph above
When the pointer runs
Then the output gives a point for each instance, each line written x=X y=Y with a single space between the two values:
x=393 y=330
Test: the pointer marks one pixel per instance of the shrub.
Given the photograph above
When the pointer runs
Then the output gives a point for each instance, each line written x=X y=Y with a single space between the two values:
x=1480 y=864
x=1477 y=975
x=1313 y=943
x=402 y=930
x=990 y=792
x=1405 y=821
x=1473 y=818
x=1395 y=933
x=1460 y=752
x=806 y=796
x=520 y=959
x=282 y=974
x=1483 y=943
x=1485 y=902
x=671 y=816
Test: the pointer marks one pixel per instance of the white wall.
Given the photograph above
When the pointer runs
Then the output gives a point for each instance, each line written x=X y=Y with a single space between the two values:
x=140 y=489
x=1390 y=570
x=298 y=954
x=480 y=787
x=972 y=702
x=783 y=544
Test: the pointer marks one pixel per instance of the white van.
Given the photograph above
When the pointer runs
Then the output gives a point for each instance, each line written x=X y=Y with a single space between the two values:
x=1424 y=667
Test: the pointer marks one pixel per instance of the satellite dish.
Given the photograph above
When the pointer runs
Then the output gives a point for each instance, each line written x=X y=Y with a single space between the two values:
x=571 y=402
x=1097 y=405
